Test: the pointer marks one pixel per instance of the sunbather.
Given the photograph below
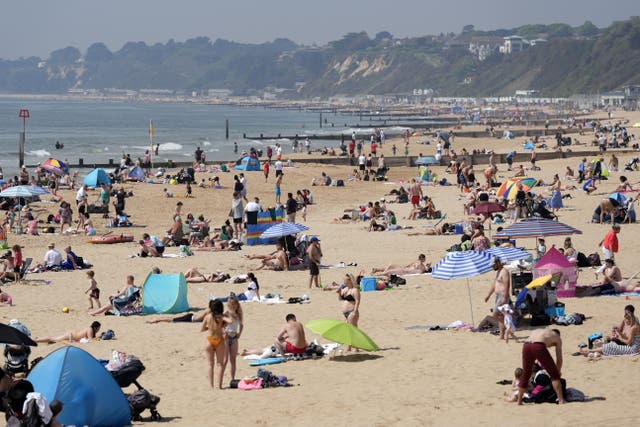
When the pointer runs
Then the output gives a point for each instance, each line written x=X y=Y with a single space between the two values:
x=416 y=267
x=74 y=336
x=195 y=317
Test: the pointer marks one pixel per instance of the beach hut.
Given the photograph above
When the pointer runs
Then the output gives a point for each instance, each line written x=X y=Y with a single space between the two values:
x=554 y=262
x=96 y=177
x=136 y=174
x=164 y=293
x=248 y=163
x=90 y=395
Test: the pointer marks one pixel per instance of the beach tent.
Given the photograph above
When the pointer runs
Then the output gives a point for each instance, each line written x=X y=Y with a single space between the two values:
x=554 y=262
x=90 y=394
x=248 y=163
x=264 y=221
x=136 y=174
x=95 y=178
x=457 y=109
x=164 y=293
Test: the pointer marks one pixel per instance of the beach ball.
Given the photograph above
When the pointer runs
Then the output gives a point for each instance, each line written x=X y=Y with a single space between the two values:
x=65 y=309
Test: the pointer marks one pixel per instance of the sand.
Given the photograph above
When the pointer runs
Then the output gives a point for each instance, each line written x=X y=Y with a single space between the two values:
x=418 y=378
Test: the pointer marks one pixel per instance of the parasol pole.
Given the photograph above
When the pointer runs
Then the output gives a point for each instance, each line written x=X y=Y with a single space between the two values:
x=470 y=302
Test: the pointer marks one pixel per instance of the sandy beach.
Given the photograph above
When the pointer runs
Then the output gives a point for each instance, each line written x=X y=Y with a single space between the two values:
x=419 y=377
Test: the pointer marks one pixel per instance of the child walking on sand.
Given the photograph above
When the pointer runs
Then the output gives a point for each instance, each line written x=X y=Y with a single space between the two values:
x=93 y=291
x=509 y=326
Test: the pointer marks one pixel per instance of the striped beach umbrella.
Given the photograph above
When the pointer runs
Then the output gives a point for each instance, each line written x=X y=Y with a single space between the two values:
x=509 y=188
x=17 y=191
x=283 y=229
x=55 y=166
x=37 y=190
x=463 y=264
x=534 y=227
x=508 y=253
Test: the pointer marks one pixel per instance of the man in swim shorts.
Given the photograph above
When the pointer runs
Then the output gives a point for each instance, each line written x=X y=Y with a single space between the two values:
x=502 y=288
x=415 y=191
x=291 y=337
x=535 y=348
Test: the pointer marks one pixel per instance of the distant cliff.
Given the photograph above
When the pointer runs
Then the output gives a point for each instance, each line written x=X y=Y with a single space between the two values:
x=555 y=60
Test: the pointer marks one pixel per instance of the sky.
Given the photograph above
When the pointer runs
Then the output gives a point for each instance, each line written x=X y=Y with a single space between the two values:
x=37 y=27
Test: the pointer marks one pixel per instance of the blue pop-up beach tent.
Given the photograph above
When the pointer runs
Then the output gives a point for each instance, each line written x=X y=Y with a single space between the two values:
x=136 y=173
x=248 y=163
x=96 y=177
x=88 y=391
x=164 y=293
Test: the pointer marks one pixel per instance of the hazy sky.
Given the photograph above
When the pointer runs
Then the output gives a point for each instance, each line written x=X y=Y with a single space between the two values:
x=36 y=27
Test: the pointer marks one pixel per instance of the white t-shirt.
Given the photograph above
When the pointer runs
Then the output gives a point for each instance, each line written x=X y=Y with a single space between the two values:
x=279 y=151
x=362 y=159
x=278 y=165
x=52 y=257
x=252 y=291
x=81 y=193
x=252 y=207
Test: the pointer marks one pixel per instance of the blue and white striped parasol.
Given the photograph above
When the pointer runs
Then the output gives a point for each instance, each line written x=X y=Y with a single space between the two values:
x=508 y=253
x=283 y=229
x=37 y=190
x=534 y=227
x=463 y=264
x=17 y=191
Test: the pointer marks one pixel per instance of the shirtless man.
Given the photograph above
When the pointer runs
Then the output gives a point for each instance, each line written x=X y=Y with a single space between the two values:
x=276 y=261
x=74 y=336
x=536 y=348
x=416 y=267
x=291 y=337
x=415 y=192
x=502 y=288
x=611 y=273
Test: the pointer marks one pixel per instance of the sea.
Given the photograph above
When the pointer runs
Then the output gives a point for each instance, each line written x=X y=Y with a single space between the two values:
x=97 y=131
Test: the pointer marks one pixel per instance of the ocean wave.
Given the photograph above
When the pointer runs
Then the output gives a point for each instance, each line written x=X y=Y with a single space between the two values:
x=213 y=150
x=171 y=146
x=206 y=143
x=38 y=153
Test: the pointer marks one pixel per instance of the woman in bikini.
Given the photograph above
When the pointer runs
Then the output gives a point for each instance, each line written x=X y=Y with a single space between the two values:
x=349 y=295
x=74 y=336
x=233 y=332
x=216 y=347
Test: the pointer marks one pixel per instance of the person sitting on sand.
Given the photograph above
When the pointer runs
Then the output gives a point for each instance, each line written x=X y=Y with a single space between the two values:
x=623 y=341
x=5 y=298
x=175 y=234
x=611 y=273
x=147 y=250
x=276 y=261
x=74 y=336
x=291 y=337
x=52 y=258
x=624 y=184
x=519 y=172
x=416 y=267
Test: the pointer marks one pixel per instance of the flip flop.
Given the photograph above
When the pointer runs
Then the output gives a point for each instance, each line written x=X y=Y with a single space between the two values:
x=577 y=353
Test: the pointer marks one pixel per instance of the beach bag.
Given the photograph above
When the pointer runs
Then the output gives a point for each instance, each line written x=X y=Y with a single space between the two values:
x=540 y=320
x=582 y=259
x=340 y=183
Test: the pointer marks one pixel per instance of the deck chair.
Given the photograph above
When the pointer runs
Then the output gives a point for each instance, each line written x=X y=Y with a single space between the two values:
x=25 y=267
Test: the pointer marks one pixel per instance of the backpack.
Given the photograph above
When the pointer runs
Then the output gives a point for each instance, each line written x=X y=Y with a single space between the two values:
x=594 y=260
